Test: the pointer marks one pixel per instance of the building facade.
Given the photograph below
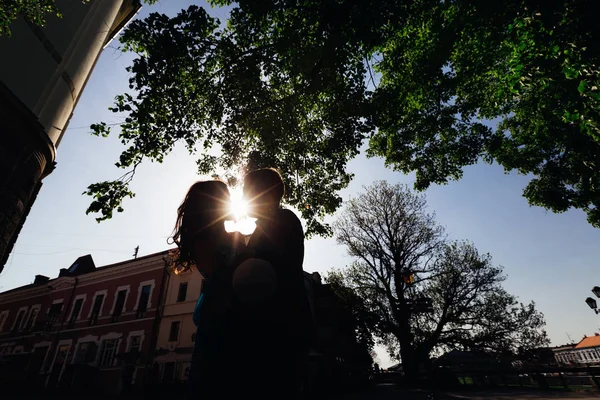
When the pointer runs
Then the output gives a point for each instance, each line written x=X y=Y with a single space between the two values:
x=121 y=327
x=337 y=359
x=586 y=352
x=88 y=328
x=177 y=331
x=39 y=89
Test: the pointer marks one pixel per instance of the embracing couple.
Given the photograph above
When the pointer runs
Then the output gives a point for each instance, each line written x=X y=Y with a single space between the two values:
x=254 y=324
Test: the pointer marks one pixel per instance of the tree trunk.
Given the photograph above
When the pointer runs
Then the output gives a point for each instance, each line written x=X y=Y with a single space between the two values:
x=410 y=365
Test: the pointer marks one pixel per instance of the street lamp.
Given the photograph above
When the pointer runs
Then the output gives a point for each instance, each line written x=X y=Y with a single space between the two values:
x=592 y=303
x=596 y=291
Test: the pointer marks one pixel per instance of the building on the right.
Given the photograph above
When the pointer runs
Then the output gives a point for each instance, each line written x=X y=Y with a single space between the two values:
x=337 y=359
x=586 y=352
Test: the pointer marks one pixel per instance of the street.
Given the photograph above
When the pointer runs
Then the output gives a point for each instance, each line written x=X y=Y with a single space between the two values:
x=390 y=392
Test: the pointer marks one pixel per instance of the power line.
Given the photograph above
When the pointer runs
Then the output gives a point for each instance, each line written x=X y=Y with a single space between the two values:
x=68 y=251
x=96 y=235
x=12 y=257
x=88 y=127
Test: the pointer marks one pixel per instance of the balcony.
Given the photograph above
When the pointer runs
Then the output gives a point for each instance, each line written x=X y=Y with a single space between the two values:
x=50 y=322
x=93 y=320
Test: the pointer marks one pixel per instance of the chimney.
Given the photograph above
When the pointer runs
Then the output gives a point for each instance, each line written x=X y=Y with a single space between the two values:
x=40 y=279
x=317 y=277
x=63 y=272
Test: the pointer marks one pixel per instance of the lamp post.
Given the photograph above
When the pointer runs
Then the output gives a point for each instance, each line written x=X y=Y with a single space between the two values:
x=591 y=302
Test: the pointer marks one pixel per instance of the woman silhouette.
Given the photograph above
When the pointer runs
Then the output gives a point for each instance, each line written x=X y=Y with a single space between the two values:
x=204 y=244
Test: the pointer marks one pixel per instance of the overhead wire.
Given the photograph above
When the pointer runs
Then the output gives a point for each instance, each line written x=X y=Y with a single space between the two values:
x=88 y=127
x=97 y=235
x=68 y=251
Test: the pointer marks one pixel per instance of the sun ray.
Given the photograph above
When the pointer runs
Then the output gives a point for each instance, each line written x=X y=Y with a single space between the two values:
x=239 y=208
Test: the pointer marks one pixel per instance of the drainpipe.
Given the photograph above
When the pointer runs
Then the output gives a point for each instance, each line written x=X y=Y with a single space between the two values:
x=57 y=336
x=157 y=318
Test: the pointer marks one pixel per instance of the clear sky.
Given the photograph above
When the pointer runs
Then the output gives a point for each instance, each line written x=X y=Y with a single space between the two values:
x=551 y=259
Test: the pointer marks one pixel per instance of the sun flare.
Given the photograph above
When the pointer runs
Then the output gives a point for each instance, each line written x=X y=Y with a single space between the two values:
x=239 y=209
x=238 y=206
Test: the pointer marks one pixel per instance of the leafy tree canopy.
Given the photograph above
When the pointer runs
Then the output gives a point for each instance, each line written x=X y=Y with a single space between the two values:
x=33 y=10
x=302 y=85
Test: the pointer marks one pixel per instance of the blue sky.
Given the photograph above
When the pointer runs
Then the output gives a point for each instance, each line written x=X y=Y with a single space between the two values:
x=549 y=258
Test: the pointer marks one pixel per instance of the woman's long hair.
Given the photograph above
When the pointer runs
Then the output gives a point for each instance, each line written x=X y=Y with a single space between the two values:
x=204 y=205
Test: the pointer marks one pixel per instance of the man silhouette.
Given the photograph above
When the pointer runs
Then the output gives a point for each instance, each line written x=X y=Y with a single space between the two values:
x=282 y=325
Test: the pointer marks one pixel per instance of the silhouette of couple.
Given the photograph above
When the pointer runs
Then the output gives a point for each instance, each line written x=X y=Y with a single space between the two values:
x=253 y=320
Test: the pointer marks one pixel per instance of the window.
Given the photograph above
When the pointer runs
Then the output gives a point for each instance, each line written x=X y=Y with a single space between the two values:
x=19 y=320
x=61 y=356
x=168 y=372
x=53 y=315
x=6 y=350
x=143 y=303
x=76 y=311
x=182 y=292
x=3 y=318
x=38 y=357
x=135 y=343
x=97 y=307
x=73 y=267
x=86 y=352
x=119 y=305
x=174 y=332
x=33 y=313
x=108 y=352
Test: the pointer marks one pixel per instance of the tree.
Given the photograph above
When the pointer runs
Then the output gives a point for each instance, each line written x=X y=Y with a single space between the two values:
x=530 y=65
x=208 y=86
x=421 y=293
x=301 y=85
x=33 y=10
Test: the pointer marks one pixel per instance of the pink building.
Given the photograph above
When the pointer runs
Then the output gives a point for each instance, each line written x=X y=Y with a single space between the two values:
x=88 y=328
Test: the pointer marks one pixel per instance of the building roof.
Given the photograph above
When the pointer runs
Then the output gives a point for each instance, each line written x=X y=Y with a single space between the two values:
x=164 y=252
x=126 y=14
x=89 y=267
x=589 y=341
x=564 y=347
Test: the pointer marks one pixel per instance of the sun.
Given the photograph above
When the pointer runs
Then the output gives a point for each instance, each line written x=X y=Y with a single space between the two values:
x=238 y=206
x=239 y=209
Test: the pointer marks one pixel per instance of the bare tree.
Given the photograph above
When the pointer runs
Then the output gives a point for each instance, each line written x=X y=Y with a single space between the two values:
x=420 y=293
